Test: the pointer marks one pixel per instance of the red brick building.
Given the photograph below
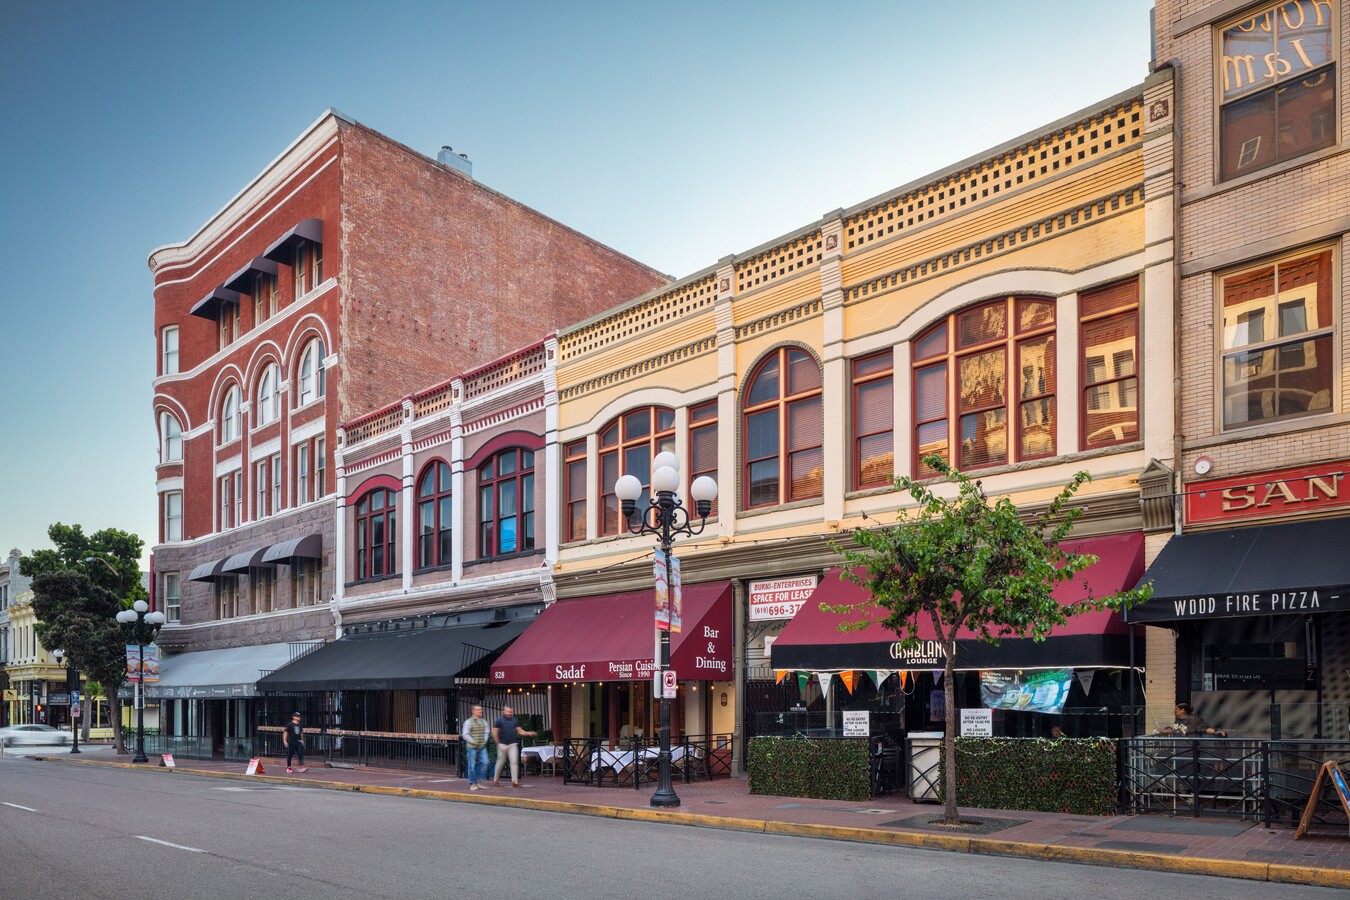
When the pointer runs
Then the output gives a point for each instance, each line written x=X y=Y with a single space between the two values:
x=348 y=274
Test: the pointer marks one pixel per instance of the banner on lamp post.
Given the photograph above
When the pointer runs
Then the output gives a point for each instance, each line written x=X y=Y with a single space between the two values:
x=676 y=595
x=662 y=572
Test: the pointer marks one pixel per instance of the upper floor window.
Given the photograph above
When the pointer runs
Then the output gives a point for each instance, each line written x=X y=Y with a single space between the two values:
x=231 y=490
x=311 y=373
x=173 y=516
x=1110 y=341
x=227 y=321
x=1277 y=341
x=506 y=503
x=377 y=534
x=703 y=443
x=169 y=351
x=229 y=416
x=962 y=397
x=783 y=460
x=1277 y=86
x=269 y=396
x=173 y=596
x=307 y=266
x=435 y=508
x=873 y=421
x=264 y=297
x=306 y=581
x=574 y=478
x=171 y=438
x=627 y=446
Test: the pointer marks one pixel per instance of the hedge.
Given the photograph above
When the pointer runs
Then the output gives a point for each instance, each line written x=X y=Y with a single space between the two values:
x=1068 y=775
x=829 y=769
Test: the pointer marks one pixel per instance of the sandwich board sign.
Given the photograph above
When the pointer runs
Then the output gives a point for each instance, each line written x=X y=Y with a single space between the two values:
x=1330 y=771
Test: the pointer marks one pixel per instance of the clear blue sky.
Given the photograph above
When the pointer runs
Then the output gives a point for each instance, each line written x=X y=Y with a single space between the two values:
x=677 y=133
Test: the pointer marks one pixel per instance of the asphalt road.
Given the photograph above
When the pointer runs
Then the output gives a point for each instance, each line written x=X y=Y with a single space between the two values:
x=91 y=832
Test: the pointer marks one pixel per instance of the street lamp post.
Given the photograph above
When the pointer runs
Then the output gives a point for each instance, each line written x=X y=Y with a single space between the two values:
x=143 y=622
x=72 y=694
x=665 y=516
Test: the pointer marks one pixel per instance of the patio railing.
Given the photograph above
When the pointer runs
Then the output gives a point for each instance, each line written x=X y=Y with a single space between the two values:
x=633 y=762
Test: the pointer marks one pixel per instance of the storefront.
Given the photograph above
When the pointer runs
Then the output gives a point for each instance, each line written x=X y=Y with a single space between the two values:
x=1078 y=677
x=1261 y=615
x=594 y=658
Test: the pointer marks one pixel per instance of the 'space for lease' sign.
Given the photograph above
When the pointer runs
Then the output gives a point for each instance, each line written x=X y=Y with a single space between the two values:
x=780 y=598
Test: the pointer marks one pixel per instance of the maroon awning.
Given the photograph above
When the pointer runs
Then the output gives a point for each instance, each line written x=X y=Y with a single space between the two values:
x=812 y=640
x=612 y=638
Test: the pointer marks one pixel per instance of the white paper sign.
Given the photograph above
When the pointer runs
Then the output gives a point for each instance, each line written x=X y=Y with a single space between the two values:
x=977 y=723
x=779 y=598
x=857 y=723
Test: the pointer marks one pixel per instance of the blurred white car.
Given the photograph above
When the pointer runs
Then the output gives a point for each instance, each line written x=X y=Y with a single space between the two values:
x=17 y=735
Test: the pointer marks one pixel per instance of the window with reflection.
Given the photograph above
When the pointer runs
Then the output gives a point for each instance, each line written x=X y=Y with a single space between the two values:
x=627 y=446
x=783 y=427
x=269 y=396
x=873 y=420
x=1277 y=85
x=506 y=503
x=1277 y=341
x=435 y=508
x=703 y=443
x=312 y=377
x=171 y=438
x=574 y=478
x=377 y=534
x=1109 y=323
x=984 y=383
x=229 y=416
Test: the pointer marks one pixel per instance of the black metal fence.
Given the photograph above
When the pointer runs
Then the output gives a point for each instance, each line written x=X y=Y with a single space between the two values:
x=348 y=749
x=1269 y=781
x=633 y=762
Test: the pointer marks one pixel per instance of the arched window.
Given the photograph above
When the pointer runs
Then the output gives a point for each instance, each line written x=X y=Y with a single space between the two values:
x=170 y=439
x=783 y=430
x=377 y=534
x=229 y=416
x=627 y=446
x=506 y=503
x=312 y=377
x=962 y=398
x=269 y=396
x=434 y=510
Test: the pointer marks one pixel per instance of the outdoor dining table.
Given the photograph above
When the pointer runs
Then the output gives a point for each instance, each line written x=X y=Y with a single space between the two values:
x=620 y=759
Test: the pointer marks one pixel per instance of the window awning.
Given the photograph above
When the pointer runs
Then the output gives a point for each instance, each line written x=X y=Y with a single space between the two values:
x=241 y=562
x=242 y=281
x=416 y=659
x=207 y=307
x=208 y=571
x=220 y=674
x=308 y=547
x=307 y=229
x=1295 y=568
x=813 y=642
x=613 y=638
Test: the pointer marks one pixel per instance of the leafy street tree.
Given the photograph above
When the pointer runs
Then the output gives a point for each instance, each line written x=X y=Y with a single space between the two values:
x=964 y=563
x=76 y=600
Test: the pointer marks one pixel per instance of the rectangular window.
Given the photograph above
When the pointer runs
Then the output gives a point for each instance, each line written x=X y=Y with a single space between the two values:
x=263 y=588
x=574 y=468
x=228 y=316
x=302 y=486
x=320 y=467
x=226 y=485
x=276 y=483
x=873 y=421
x=237 y=493
x=1277 y=84
x=305 y=583
x=169 y=357
x=261 y=490
x=703 y=443
x=172 y=596
x=1109 y=323
x=173 y=516
x=227 y=597
x=1277 y=341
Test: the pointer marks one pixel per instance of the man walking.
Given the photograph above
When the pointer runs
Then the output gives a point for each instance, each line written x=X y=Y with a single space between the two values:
x=506 y=731
x=293 y=739
x=474 y=734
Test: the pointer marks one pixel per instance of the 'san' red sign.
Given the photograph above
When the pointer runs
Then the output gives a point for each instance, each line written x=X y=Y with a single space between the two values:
x=1263 y=495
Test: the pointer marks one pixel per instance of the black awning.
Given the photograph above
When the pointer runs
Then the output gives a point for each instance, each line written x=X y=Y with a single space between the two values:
x=206 y=307
x=416 y=659
x=1296 y=568
x=207 y=571
x=242 y=281
x=308 y=547
x=307 y=229
x=242 y=562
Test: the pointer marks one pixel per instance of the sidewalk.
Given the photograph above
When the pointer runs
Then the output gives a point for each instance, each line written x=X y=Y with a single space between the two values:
x=1176 y=844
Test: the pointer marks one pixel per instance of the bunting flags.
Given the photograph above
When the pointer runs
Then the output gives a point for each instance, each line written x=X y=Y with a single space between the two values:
x=803 y=679
x=848 y=678
x=779 y=675
x=881 y=675
x=824 y=681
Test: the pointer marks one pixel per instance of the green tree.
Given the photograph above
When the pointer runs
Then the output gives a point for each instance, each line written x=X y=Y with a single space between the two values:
x=961 y=562
x=76 y=598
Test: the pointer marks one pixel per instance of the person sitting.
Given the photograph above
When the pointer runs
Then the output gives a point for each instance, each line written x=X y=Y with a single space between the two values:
x=1056 y=732
x=1189 y=724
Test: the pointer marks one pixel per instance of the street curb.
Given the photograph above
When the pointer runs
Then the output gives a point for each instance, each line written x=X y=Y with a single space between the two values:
x=1157 y=862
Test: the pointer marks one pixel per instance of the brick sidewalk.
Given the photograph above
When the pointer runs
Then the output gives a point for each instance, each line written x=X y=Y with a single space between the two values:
x=1212 y=846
